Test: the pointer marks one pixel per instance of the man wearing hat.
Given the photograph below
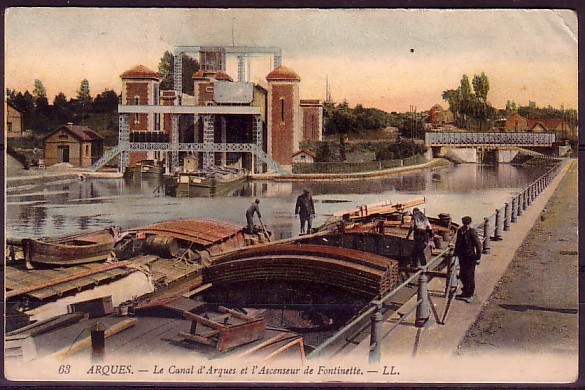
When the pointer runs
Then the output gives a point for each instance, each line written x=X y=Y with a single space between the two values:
x=305 y=209
x=423 y=232
x=468 y=250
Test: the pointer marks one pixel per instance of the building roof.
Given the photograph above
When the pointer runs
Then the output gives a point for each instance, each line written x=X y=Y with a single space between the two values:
x=218 y=75
x=549 y=124
x=12 y=106
x=282 y=73
x=306 y=152
x=83 y=133
x=140 y=72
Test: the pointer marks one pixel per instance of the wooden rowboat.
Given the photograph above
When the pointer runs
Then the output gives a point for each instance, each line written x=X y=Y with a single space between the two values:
x=71 y=249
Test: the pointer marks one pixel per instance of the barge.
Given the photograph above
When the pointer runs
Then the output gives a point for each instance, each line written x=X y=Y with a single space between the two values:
x=213 y=181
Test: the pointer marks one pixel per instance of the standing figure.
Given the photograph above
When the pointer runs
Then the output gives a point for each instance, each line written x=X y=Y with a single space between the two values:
x=423 y=231
x=468 y=250
x=305 y=209
x=254 y=208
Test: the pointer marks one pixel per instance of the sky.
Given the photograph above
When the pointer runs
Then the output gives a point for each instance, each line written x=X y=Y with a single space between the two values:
x=389 y=59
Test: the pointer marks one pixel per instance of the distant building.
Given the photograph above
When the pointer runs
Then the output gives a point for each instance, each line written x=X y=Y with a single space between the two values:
x=438 y=116
x=261 y=123
x=79 y=146
x=518 y=123
x=14 y=124
x=303 y=156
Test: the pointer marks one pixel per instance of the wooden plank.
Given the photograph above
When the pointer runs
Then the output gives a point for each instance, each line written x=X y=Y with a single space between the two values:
x=287 y=346
x=198 y=339
x=234 y=313
x=56 y=281
x=190 y=293
x=204 y=321
x=262 y=345
x=49 y=324
x=86 y=342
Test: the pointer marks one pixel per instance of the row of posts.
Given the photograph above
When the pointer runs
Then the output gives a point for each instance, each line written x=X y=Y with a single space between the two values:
x=512 y=210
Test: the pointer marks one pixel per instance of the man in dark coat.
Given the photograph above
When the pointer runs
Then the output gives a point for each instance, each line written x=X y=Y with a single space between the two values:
x=254 y=208
x=305 y=209
x=468 y=250
x=423 y=231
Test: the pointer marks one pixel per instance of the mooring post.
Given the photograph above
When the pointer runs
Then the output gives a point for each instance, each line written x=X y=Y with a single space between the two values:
x=423 y=310
x=507 y=217
x=98 y=342
x=486 y=236
x=376 y=334
x=519 y=208
x=513 y=213
x=497 y=227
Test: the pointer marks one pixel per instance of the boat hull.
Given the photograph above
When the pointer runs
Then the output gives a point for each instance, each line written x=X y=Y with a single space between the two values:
x=70 y=250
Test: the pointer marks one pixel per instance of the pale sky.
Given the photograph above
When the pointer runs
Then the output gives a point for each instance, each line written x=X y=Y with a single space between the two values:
x=527 y=54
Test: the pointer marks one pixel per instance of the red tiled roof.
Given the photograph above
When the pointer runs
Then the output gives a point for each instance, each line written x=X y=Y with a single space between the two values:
x=140 y=72
x=218 y=75
x=282 y=73
x=83 y=133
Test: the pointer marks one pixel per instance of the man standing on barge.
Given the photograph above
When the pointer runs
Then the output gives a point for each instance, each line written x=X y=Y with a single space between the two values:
x=254 y=208
x=423 y=232
x=305 y=209
x=468 y=250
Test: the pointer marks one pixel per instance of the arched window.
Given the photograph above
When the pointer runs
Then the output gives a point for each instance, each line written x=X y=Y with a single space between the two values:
x=136 y=100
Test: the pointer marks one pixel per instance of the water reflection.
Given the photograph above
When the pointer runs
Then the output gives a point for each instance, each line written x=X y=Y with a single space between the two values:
x=63 y=208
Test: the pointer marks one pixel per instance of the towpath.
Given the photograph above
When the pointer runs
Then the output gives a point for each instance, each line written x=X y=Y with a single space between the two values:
x=525 y=331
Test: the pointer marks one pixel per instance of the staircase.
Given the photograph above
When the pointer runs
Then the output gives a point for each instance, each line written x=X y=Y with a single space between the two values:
x=262 y=155
x=105 y=158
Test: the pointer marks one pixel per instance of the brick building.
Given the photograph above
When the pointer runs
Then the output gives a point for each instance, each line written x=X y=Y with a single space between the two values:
x=14 y=124
x=225 y=122
x=79 y=146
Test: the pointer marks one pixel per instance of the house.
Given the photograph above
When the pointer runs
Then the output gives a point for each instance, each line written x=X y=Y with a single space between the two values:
x=303 y=156
x=439 y=116
x=14 y=124
x=79 y=146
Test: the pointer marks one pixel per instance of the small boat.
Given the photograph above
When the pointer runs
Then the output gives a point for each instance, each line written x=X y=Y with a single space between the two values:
x=213 y=181
x=144 y=167
x=71 y=249
x=191 y=240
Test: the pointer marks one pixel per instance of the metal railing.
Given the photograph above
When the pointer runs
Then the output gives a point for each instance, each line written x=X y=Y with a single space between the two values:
x=489 y=230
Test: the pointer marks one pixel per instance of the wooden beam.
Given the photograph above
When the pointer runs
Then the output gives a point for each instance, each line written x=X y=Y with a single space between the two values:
x=235 y=314
x=50 y=283
x=203 y=320
x=263 y=344
x=49 y=324
x=86 y=342
x=198 y=339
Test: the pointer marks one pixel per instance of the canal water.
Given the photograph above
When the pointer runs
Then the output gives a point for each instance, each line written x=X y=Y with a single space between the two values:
x=54 y=209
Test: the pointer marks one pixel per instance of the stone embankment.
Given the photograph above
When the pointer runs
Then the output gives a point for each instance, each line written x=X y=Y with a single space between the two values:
x=437 y=163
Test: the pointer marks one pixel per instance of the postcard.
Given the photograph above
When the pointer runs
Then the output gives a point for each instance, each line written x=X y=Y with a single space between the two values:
x=216 y=195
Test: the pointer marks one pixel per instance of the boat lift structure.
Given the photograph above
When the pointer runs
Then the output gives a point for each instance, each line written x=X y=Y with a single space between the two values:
x=210 y=58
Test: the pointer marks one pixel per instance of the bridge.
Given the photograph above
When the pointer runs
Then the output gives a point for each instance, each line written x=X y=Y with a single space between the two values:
x=474 y=146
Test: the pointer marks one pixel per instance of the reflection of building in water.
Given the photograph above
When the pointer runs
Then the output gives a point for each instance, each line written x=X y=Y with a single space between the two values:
x=256 y=126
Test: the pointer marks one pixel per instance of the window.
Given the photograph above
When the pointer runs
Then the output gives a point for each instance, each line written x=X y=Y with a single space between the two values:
x=86 y=150
x=10 y=127
x=136 y=118
x=63 y=136
x=282 y=110
x=156 y=94
x=157 y=121
x=137 y=100
x=209 y=89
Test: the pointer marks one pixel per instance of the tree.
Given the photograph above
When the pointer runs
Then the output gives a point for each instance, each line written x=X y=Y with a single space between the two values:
x=166 y=71
x=39 y=90
x=106 y=102
x=83 y=93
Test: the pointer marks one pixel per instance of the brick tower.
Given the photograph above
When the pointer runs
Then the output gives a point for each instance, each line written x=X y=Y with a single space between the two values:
x=284 y=119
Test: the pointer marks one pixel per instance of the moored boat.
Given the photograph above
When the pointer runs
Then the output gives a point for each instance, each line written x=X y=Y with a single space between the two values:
x=144 y=168
x=211 y=181
x=71 y=249
x=192 y=240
